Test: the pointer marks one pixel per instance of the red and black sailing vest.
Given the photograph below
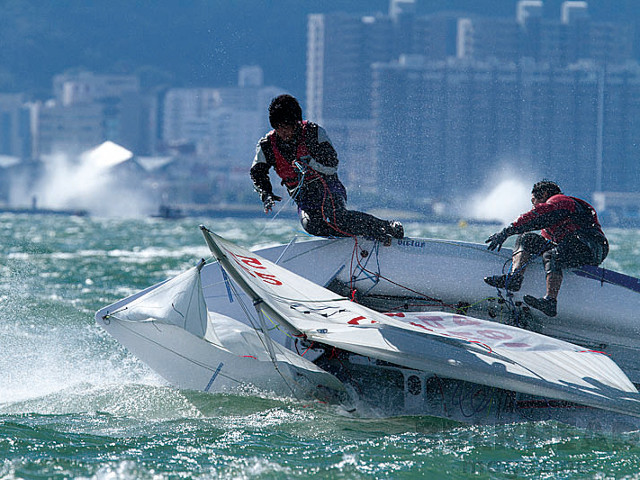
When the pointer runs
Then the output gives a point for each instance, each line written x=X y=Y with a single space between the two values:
x=287 y=171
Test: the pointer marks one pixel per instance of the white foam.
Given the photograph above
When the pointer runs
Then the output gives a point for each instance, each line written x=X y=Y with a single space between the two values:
x=40 y=359
x=503 y=201
x=85 y=182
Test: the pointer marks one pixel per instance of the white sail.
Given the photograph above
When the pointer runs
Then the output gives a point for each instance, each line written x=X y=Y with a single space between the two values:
x=528 y=363
x=178 y=301
x=169 y=328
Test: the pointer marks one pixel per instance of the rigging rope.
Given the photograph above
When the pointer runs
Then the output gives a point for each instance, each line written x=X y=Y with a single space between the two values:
x=515 y=311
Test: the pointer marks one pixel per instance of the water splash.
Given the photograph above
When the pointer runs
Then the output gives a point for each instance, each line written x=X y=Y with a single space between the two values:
x=503 y=202
x=94 y=181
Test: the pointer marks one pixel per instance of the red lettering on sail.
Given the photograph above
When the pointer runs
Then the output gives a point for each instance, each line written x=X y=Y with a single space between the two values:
x=241 y=264
x=464 y=335
x=252 y=262
x=432 y=321
x=357 y=320
x=268 y=278
x=419 y=325
x=459 y=320
x=494 y=334
x=255 y=264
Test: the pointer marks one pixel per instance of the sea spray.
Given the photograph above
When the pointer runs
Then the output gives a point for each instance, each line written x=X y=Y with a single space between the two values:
x=503 y=202
x=101 y=181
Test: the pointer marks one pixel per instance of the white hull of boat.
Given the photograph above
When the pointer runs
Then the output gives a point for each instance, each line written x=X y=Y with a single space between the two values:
x=374 y=389
x=230 y=357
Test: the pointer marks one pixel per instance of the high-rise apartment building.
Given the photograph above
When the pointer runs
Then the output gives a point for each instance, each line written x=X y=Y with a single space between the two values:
x=340 y=50
x=86 y=87
x=560 y=41
x=88 y=109
x=342 y=47
x=619 y=130
x=223 y=124
x=463 y=93
x=15 y=130
x=460 y=121
x=67 y=129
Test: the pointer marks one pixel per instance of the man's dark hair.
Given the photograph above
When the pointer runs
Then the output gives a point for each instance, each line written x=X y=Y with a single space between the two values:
x=284 y=110
x=545 y=188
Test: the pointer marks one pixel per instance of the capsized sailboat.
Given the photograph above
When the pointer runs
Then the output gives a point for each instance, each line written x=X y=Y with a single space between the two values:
x=532 y=364
x=305 y=340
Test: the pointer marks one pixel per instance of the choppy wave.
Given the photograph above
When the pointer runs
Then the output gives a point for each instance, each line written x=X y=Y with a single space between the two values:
x=75 y=404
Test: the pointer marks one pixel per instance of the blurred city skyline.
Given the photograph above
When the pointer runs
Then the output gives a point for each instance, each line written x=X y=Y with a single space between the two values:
x=456 y=90
x=200 y=42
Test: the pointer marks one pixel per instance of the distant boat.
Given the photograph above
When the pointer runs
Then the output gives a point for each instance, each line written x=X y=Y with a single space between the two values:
x=44 y=211
x=166 y=211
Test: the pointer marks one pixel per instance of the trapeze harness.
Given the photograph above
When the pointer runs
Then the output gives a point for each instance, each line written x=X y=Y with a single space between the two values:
x=290 y=174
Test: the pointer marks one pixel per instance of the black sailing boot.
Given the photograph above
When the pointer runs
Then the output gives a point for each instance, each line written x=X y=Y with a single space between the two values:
x=395 y=229
x=510 y=281
x=548 y=306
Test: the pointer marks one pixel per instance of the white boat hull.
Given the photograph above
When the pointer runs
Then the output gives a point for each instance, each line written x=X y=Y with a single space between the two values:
x=374 y=389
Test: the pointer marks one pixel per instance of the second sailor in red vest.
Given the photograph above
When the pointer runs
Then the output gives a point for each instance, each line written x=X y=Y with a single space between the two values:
x=302 y=155
x=571 y=236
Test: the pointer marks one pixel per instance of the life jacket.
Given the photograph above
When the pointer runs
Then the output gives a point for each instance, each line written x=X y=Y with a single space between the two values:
x=588 y=217
x=583 y=219
x=286 y=170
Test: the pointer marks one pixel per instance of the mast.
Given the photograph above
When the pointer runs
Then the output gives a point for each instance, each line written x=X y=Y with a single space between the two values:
x=259 y=304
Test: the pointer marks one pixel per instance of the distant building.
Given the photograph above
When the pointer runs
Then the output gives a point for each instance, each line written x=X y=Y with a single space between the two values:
x=88 y=109
x=87 y=87
x=563 y=41
x=436 y=36
x=453 y=95
x=458 y=121
x=15 y=128
x=221 y=123
x=340 y=50
x=618 y=130
x=342 y=47
x=67 y=129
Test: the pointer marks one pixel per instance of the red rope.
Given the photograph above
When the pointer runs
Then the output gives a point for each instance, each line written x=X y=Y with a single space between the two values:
x=327 y=194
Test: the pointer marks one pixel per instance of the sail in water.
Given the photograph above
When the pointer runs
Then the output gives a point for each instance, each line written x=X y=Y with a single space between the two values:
x=178 y=301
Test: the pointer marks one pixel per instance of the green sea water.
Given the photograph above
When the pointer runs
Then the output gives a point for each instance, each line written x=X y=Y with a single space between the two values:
x=76 y=404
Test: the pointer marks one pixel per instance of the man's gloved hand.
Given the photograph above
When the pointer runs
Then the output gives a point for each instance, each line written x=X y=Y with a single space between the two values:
x=269 y=200
x=497 y=239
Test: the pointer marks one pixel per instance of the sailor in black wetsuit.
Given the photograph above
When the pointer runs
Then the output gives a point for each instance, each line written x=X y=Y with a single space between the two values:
x=571 y=236
x=303 y=157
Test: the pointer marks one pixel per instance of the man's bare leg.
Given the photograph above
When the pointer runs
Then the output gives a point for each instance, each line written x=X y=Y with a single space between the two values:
x=554 y=281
